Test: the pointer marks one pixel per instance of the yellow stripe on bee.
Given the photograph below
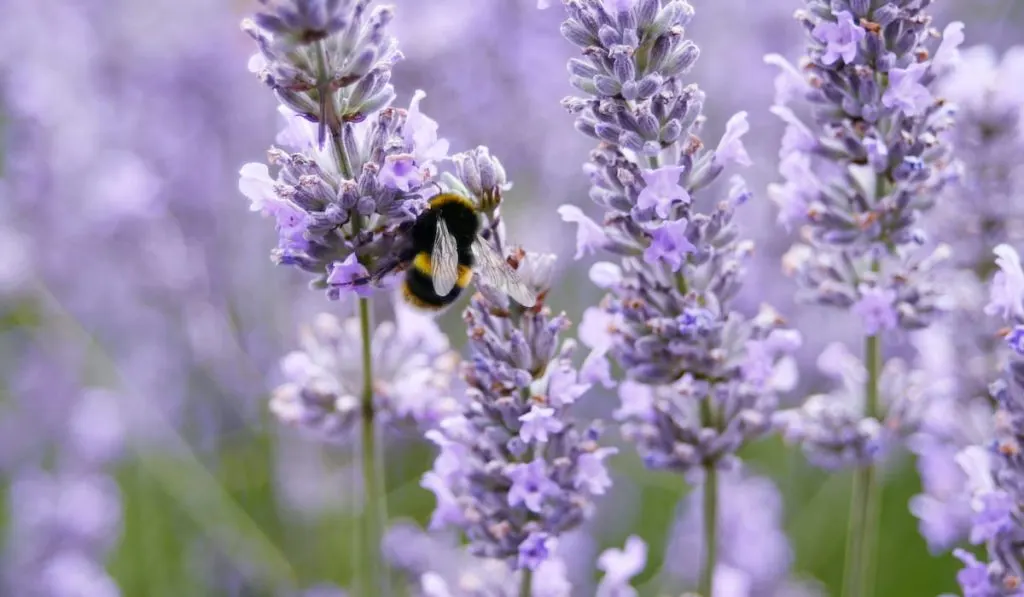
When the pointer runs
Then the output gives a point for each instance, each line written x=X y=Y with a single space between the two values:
x=465 y=276
x=446 y=198
x=422 y=263
x=416 y=301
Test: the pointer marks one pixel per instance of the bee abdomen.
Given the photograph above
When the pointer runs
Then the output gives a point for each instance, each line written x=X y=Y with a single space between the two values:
x=418 y=287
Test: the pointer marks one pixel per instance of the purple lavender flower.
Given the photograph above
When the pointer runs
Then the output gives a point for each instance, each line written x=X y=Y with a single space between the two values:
x=860 y=173
x=345 y=200
x=514 y=472
x=1015 y=339
x=841 y=38
x=669 y=245
x=662 y=191
x=994 y=479
x=906 y=93
x=620 y=566
x=977 y=579
x=538 y=423
x=589 y=236
x=949 y=422
x=1007 y=294
x=876 y=309
x=667 y=320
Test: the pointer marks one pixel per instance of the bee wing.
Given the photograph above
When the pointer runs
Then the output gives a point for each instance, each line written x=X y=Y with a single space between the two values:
x=493 y=268
x=444 y=260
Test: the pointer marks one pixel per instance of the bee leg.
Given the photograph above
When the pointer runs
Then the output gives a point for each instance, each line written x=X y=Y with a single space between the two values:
x=490 y=232
x=390 y=265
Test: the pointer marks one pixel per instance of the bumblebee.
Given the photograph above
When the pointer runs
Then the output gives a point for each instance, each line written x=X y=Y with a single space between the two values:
x=442 y=250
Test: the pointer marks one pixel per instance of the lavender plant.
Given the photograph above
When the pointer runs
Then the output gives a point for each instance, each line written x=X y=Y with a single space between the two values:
x=978 y=213
x=701 y=378
x=993 y=468
x=874 y=159
x=515 y=472
x=343 y=192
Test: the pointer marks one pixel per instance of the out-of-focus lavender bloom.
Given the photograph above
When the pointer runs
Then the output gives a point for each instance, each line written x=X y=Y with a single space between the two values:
x=65 y=521
x=440 y=568
x=710 y=372
x=752 y=547
x=620 y=566
x=951 y=420
x=983 y=208
x=153 y=276
x=413 y=369
x=487 y=91
x=347 y=199
x=978 y=213
x=994 y=477
x=861 y=170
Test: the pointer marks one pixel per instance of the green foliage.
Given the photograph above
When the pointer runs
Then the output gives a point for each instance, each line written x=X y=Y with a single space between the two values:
x=171 y=510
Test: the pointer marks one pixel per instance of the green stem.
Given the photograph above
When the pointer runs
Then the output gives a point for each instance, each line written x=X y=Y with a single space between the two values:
x=853 y=539
x=871 y=478
x=707 y=574
x=866 y=500
x=375 y=504
x=526 y=583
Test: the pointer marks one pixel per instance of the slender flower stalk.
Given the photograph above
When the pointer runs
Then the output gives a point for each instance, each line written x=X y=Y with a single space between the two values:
x=710 y=520
x=526 y=583
x=857 y=183
x=375 y=509
x=341 y=199
x=700 y=378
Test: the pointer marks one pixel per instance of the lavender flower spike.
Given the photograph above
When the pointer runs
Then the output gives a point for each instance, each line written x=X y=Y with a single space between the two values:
x=413 y=369
x=701 y=378
x=666 y=320
x=515 y=472
x=859 y=176
x=858 y=181
x=339 y=207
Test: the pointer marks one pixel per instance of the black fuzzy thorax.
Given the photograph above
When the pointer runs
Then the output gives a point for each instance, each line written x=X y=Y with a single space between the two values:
x=462 y=222
x=460 y=218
